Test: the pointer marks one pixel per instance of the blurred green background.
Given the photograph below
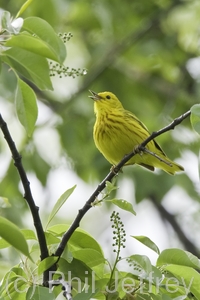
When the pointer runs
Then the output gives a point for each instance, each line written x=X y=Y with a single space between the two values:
x=147 y=53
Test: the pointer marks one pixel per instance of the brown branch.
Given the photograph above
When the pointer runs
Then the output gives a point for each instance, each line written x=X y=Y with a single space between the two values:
x=27 y=191
x=171 y=126
x=114 y=171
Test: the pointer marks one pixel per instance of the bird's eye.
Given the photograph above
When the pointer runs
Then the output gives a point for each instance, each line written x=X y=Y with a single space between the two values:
x=107 y=97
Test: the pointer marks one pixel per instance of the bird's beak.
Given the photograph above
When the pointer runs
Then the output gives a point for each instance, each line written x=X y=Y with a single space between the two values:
x=94 y=96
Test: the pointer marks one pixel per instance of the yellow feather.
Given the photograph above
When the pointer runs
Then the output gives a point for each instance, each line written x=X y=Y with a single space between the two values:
x=118 y=131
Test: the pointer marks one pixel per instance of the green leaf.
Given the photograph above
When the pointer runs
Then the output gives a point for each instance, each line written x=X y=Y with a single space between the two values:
x=156 y=277
x=37 y=292
x=79 y=240
x=156 y=297
x=63 y=198
x=14 y=277
x=147 y=242
x=23 y=7
x=82 y=240
x=77 y=269
x=26 y=106
x=67 y=255
x=16 y=289
x=10 y=233
x=110 y=187
x=187 y=277
x=30 y=65
x=51 y=239
x=19 y=271
x=141 y=265
x=86 y=296
x=143 y=296
x=195 y=117
x=46 y=263
x=5 y=282
x=89 y=256
x=46 y=33
x=123 y=204
x=59 y=229
x=29 y=234
x=33 y=44
x=178 y=257
x=4 y=244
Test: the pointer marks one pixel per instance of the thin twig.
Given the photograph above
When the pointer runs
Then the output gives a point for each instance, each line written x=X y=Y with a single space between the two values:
x=171 y=126
x=114 y=171
x=27 y=191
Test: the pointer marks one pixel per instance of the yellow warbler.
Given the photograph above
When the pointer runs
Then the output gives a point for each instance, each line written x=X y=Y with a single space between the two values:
x=118 y=131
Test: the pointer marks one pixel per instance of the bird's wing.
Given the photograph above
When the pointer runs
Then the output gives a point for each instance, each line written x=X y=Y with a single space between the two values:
x=159 y=148
x=130 y=114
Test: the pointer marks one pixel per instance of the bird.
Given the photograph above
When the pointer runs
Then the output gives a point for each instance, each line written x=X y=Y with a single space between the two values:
x=117 y=132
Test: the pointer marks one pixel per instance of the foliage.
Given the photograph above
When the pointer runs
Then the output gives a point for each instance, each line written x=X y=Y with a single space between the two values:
x=26 y=52
x=83 y=264
x=134 y=48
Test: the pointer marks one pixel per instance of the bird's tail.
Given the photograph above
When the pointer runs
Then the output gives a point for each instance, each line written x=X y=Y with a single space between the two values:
x=163 y=162
x=166 y=165
x=169 y=166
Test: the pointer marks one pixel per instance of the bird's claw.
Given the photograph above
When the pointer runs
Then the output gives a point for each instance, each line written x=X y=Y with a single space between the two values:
x=112 y=169
x=137 y=150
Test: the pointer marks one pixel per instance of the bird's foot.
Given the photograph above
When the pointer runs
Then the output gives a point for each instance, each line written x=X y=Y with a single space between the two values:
x=137 y=150
x=112 y=169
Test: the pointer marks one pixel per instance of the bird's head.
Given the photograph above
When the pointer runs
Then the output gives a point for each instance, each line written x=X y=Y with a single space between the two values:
x=105 y=101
